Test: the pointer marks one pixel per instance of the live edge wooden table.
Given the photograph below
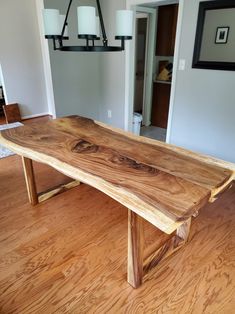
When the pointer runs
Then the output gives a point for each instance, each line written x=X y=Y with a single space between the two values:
x=164 y=184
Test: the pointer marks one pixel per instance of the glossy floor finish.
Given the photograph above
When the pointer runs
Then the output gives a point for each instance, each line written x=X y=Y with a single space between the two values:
x=68 y=255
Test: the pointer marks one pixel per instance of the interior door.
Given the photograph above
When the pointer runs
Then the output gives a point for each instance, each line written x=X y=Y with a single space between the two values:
x=140 y=55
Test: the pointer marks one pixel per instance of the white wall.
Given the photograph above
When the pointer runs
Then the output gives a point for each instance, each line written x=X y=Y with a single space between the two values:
x=112 y=70
x=204 y=104
x=89 y=84
x=203 y=108
x=20 y=56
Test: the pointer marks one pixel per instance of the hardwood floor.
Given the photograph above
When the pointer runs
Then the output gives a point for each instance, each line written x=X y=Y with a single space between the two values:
x=68 y=255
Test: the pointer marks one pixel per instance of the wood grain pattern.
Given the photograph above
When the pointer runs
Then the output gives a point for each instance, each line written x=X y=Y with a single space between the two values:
x=178 y=151
x=160 y=104
x=171 y=246
x=68 y=255
x=44 y=196
x=33 y=195
x=30 y=180
x=184 y=230
x=165 y=249
x=12 y=113
x=135 y=249
x=170 y=187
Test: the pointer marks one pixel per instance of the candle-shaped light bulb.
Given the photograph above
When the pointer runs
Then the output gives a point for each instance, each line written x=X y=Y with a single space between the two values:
x=97 y=26
x=51 y=22
x=86 y=20
x=124 y=23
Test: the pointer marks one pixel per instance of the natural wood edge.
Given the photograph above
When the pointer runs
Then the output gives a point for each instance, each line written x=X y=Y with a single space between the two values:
x=150 y=213
x=56 y=191
x=200 y=157
x=215 y=193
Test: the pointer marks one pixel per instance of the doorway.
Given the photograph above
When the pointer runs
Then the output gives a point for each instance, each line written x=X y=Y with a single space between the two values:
x=164 y=58
x=162 y=75
x=140 y=61
x=167 y=91
x=2 y=93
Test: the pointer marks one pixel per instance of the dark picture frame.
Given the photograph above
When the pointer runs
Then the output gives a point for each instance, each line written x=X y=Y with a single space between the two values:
x=221 y=36
x=198 y=62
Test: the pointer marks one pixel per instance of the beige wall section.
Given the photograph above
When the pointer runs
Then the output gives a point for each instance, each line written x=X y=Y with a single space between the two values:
x=21 y=57
x=210 y=51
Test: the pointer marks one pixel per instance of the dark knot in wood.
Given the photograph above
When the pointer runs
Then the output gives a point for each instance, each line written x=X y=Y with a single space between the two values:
x=131 y=163
x=84 y=147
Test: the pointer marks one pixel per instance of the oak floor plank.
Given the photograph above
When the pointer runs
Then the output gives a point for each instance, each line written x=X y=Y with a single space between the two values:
x=69 y=254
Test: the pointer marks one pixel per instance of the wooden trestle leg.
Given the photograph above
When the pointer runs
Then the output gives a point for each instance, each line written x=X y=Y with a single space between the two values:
x=184 y=230
x=138 y=264
x=34 y=197
x=30 y=180
x=135 y=249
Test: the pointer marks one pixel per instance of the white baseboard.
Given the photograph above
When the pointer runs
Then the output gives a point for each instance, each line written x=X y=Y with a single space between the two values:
x=36 y=115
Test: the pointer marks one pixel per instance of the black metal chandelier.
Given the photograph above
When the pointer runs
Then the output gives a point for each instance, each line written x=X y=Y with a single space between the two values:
x=56 y=28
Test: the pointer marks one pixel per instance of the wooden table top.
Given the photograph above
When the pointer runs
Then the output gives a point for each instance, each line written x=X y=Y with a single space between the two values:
x=160 y=182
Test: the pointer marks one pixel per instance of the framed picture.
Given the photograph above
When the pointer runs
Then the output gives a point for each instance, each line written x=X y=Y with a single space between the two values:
x=222 y=35
x=214 y=44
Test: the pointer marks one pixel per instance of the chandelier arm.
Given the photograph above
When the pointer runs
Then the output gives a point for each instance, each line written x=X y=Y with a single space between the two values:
x=90 y=39
x=105 y=39
x=123 y=43
x=66 y=18
x=92 y=48
x=54 y=43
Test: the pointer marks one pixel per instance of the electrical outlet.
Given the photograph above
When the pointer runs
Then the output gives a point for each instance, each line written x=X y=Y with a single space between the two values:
x=109 y=114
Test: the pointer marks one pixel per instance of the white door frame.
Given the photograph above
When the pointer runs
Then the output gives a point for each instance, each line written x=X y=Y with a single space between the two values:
x=3 y=84
x=46 y=61
x=129 y=65
x=149 y=60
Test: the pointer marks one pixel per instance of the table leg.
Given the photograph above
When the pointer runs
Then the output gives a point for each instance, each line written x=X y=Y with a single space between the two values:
x=184 y=230
x=163 y=250
x=30 y=180
x=34 y=197
x=135 y=249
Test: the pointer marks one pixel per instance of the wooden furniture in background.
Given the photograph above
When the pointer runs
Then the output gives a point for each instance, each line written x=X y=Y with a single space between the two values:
x=12 y=113
x=160 y=104
x=2 y=101
x=166 y=29
x=158 y=182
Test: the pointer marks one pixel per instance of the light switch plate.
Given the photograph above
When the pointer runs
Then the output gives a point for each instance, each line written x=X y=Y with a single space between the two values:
x=182 y=65
x=109 y=114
